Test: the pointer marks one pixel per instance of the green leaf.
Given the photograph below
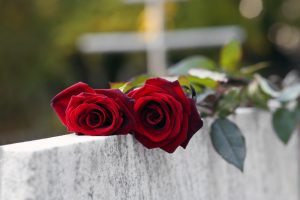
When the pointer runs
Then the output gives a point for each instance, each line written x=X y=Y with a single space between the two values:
x=229 y=102
x=231 y=55
x=284 y=122
x=188 y=87
x=266 y=87
x=185 y=83
x=199 y=84
x=206 y=82
x=185 y=65
x=133 y=83
x=254 y=68
x=297 y=113
x=138 y=80
x=290 y=93
x=256 y=96
x=229 y=142
x=116 y=85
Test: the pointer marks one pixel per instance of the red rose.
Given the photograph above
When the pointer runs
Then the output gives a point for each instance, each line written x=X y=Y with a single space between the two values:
x=165 y=116
x=94 y=112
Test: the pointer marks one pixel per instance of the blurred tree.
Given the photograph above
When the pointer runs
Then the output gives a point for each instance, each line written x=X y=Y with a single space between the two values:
x=38 y=55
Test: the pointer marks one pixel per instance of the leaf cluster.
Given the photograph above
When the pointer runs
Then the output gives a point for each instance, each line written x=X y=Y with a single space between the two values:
x=220 y=88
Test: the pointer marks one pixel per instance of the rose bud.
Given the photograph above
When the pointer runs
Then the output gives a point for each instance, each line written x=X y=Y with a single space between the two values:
x=165 y=116
x=94 y=112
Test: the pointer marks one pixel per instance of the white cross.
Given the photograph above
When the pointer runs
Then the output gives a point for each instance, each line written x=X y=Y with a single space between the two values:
x=156 y=41
x=155 y=35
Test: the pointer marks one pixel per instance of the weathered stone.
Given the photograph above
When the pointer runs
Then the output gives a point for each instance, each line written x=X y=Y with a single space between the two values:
x=74 y=167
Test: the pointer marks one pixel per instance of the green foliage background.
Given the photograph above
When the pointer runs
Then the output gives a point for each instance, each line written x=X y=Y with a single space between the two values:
x=37 y=41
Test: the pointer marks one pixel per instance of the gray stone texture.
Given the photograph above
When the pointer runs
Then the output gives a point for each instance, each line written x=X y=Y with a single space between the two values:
x=74 y=167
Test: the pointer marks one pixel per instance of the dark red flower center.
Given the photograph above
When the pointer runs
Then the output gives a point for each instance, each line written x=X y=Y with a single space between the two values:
x=95 y=118
x=153 y=115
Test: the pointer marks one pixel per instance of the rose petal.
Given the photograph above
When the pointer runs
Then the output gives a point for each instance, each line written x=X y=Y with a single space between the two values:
x=173 y=144
x=126 y=106
x=195 y=123
x=61 y=100
x=172 y=88
x=154 y=135
x=154 y=115
x=95 y=119
x=151 y=136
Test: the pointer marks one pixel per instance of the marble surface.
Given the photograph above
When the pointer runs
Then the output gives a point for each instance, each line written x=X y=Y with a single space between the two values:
x=74 y=167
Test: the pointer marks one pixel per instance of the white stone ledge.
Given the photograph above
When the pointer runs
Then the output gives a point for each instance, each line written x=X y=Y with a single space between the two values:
x=74 y=167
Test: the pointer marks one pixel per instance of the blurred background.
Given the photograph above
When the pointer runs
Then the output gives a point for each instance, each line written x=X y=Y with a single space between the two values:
x=40 y=55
